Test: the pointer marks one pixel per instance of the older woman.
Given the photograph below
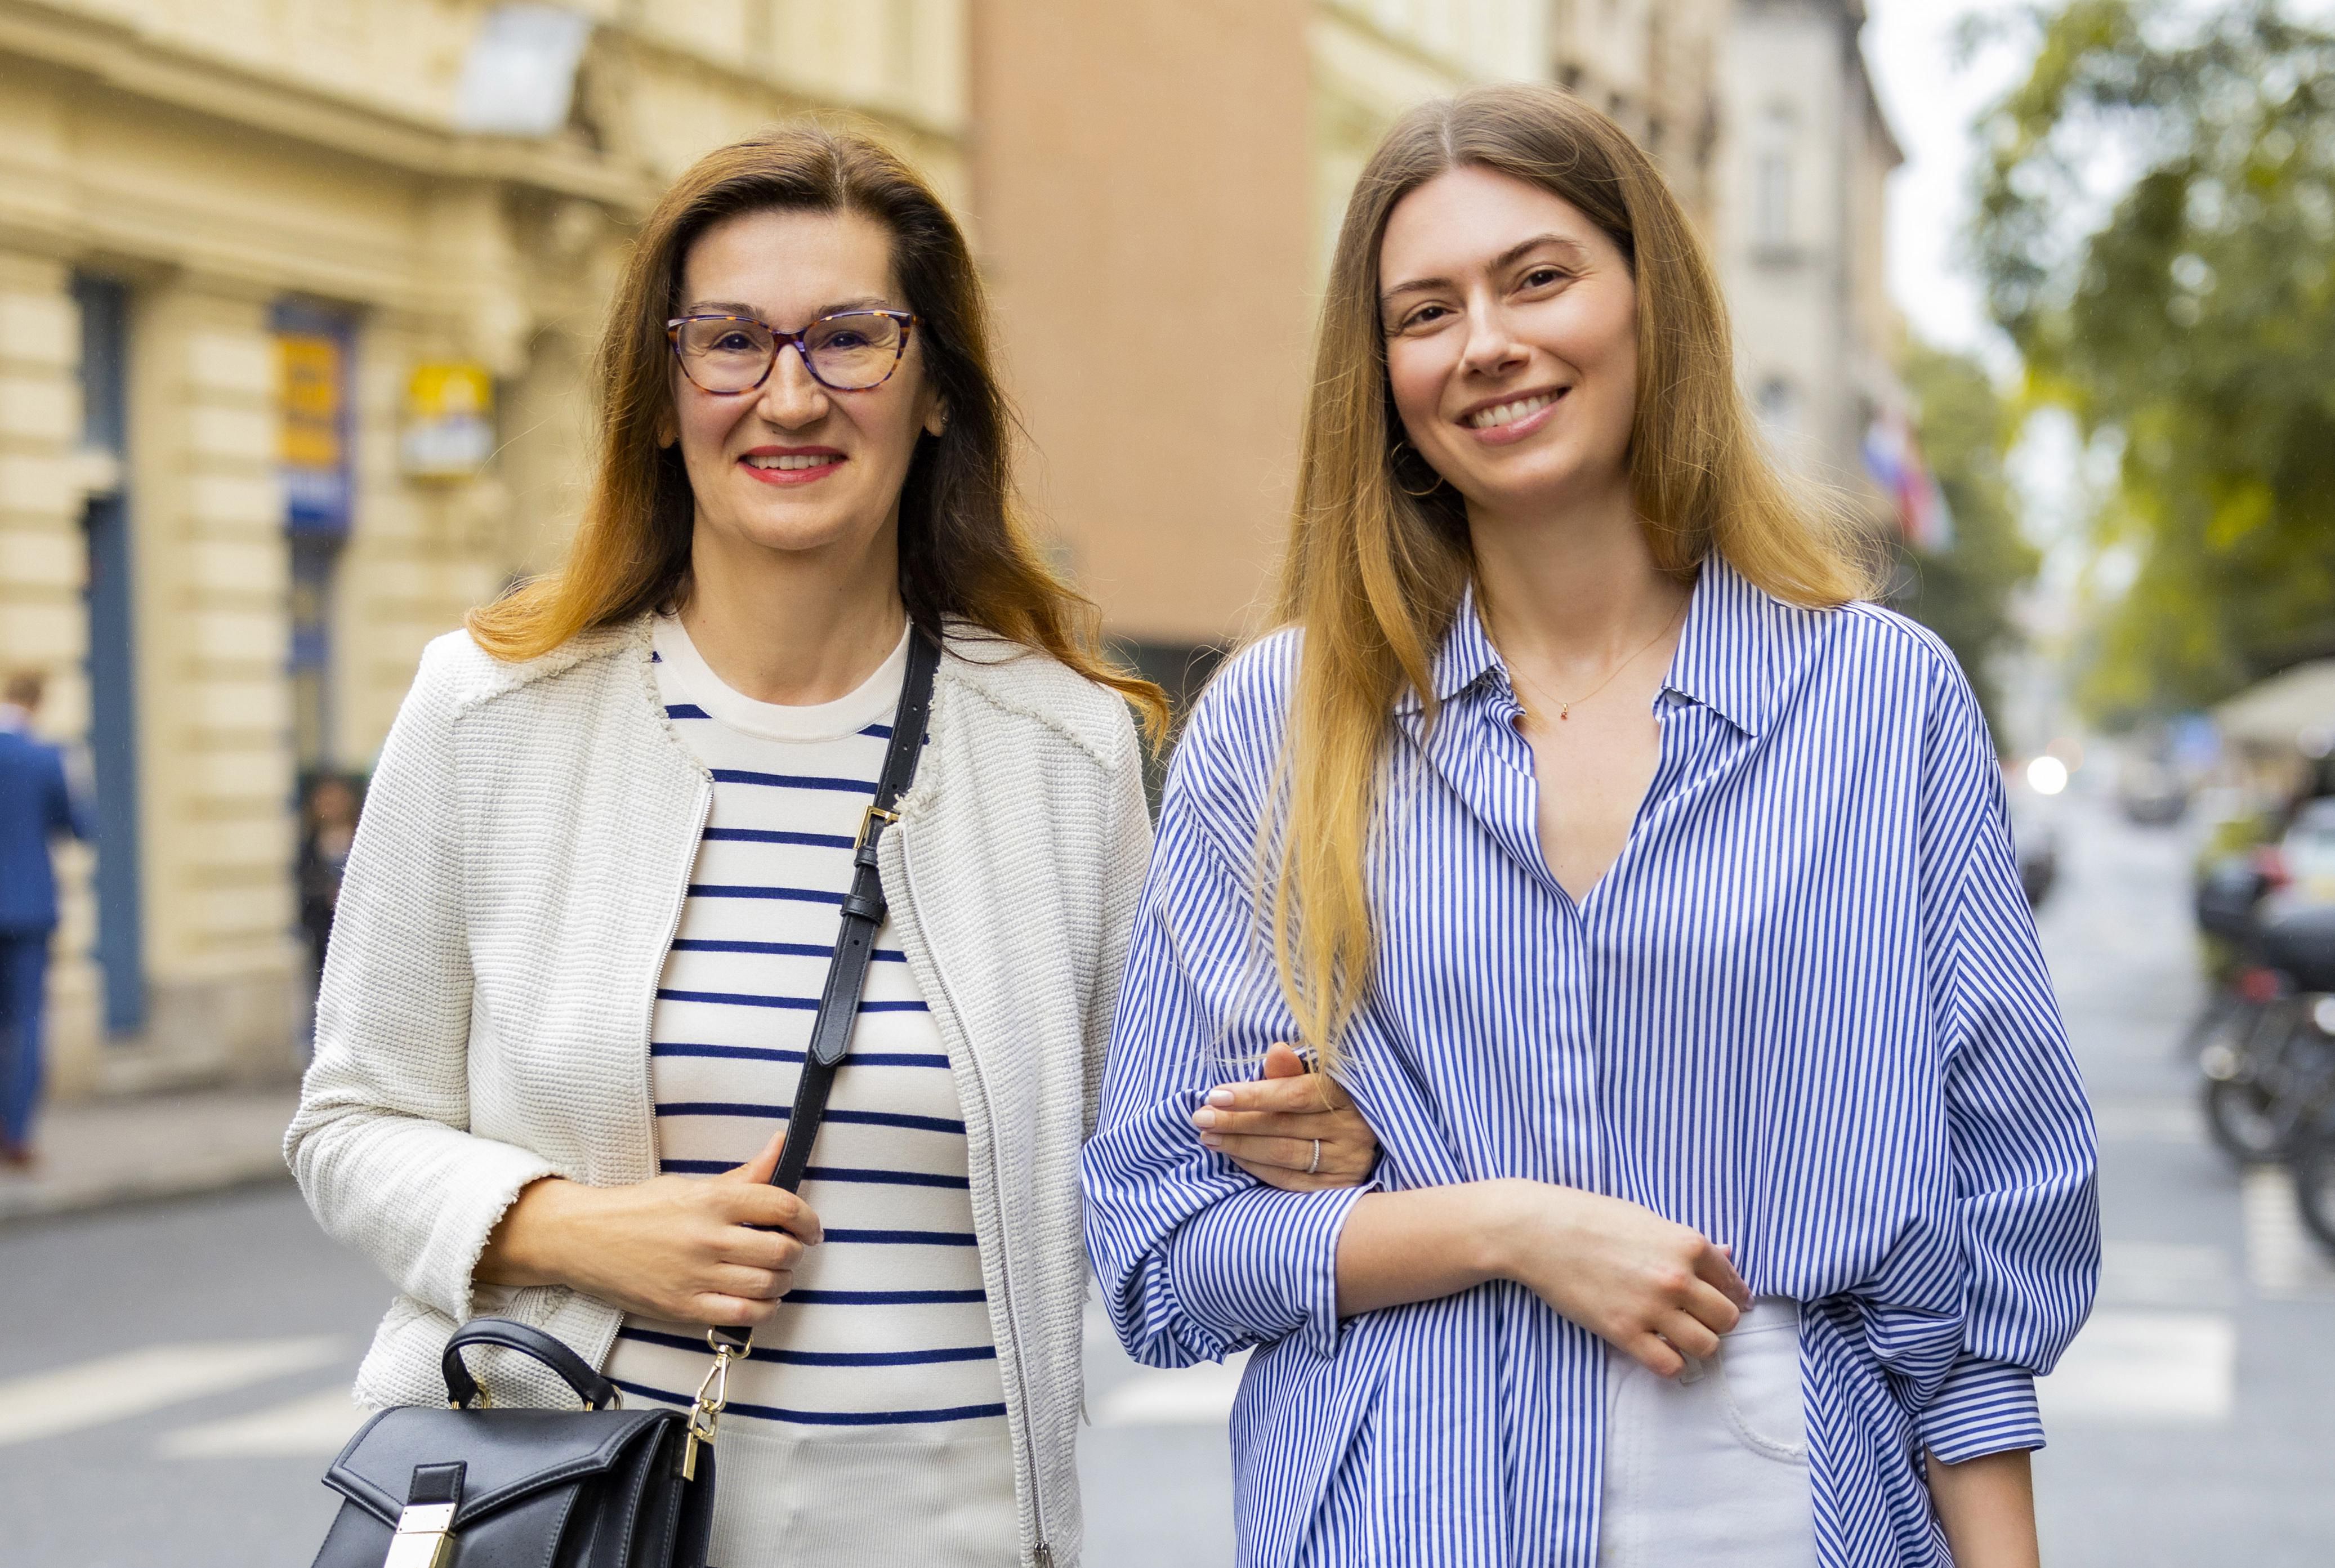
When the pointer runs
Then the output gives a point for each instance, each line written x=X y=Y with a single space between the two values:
x=1652 y=897
x=588 y=915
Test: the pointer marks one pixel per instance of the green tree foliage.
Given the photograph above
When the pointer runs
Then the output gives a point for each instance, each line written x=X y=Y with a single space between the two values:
x=2194 y=321
x=1964 y=594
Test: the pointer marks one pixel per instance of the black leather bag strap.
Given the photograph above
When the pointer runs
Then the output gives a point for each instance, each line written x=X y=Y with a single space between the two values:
x=855 y=943
x=505 y=1333
x=863 y=913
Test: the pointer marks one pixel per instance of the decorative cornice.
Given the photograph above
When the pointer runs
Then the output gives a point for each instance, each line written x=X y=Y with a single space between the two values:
x=119 y=57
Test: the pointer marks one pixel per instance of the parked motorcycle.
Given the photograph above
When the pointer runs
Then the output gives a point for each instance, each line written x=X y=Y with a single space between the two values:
x=2265 y=1046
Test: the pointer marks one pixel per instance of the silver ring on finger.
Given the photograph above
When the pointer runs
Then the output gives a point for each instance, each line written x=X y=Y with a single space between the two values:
x=1314 y=1167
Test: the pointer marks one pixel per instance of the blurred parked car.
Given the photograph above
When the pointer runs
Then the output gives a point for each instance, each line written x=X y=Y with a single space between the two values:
x=2150 y=793
x=2306 y=851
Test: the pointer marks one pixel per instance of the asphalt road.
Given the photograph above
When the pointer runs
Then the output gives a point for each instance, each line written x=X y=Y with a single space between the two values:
x=171 y=1376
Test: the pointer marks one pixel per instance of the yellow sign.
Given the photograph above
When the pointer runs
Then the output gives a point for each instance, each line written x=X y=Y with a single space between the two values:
x=308 y=379
x=450 y=431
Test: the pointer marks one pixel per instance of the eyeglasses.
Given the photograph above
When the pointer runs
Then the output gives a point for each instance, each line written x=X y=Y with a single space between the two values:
x=850 y=351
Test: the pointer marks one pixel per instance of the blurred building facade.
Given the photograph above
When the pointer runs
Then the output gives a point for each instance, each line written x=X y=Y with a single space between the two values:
x=1801 y=237
x=297 y=300
x=262 y=266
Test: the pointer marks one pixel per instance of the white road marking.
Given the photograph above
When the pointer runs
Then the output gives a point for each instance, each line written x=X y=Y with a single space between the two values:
x=2148 y=1121
x=136 y=1381
x=1200 y=1396
x=2166 y=1274
x=2146 y=1368
x=317 y=1425
x=2283 y=1261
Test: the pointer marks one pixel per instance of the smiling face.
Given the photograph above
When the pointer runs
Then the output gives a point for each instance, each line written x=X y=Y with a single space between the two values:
x=793 y=466
x=1511 y=325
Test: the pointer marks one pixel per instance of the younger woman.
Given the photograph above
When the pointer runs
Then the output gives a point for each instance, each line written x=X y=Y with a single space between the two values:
x=1652 y=897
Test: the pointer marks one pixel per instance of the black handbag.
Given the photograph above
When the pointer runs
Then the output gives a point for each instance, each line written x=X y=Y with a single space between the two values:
x=472 y=1486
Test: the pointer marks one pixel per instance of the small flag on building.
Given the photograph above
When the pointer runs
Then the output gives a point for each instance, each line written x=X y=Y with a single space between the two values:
x=1893 y=456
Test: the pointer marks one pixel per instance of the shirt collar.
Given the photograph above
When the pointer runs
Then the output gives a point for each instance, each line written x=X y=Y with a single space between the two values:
x=1726 y=656
x=1727 y=649
x=1466 y=656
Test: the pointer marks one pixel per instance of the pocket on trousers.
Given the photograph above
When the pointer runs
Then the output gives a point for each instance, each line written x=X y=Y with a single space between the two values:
x=1759 y=1377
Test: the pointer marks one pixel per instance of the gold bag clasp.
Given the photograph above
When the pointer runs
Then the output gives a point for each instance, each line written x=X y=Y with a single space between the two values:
x=424 y=1538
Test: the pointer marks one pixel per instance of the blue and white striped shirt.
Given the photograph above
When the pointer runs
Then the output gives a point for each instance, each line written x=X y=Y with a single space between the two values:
x=1804 y=1013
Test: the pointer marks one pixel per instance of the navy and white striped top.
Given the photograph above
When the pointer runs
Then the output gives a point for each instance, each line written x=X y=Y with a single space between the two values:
x=884 y=1336
x=1804 y=1013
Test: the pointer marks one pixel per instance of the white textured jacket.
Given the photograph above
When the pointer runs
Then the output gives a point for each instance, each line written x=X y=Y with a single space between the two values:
x=521 y=864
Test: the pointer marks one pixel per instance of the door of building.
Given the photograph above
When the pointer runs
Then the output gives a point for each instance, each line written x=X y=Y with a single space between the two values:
x=109 y=599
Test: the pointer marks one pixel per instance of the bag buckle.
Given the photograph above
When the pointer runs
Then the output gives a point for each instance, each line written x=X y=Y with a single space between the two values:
x=424 y=1538
x=868 y=821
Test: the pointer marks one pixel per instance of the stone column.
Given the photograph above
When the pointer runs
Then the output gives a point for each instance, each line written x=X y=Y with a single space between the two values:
x=215 y=718
x=43 y=623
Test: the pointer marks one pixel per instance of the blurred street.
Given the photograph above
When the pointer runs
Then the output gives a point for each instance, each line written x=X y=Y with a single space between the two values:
x=2190 y=1425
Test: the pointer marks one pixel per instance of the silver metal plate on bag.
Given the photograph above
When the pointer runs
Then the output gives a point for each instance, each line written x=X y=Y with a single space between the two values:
x=424 y=1538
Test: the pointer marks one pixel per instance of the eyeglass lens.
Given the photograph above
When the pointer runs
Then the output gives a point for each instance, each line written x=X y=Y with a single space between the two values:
x=849 y=353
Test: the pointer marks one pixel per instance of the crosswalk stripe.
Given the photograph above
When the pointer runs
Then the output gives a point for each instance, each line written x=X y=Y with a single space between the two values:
x=2283 y=1261
x=2166 y=1274
x=317 y=1424
x=2146 y=1368
x=1197 y=1395
x=136 y=1381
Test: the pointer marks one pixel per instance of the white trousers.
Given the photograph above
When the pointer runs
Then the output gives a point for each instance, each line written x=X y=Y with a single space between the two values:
x=1711 y=1467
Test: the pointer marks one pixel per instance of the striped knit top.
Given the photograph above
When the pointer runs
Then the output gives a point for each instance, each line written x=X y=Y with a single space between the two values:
x=884 y=1340
x=1804 y=1013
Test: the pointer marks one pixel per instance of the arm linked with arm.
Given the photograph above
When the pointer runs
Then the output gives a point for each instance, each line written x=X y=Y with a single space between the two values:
x=1194 y=1257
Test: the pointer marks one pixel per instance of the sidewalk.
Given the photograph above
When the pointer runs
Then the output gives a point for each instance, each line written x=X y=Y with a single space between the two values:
x=111 y=1151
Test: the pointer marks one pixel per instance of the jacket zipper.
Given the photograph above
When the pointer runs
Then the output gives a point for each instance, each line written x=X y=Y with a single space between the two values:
x=1044 y=1554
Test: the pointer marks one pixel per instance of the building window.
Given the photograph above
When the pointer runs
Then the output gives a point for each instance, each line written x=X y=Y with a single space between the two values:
x=1772 y=201
x=1772 y=196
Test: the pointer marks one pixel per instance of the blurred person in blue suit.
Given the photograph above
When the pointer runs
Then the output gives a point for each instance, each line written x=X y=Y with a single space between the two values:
x=37 y=805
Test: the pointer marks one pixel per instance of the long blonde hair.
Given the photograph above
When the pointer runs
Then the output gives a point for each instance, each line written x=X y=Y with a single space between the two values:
x=965 y=548
x=1379 y=557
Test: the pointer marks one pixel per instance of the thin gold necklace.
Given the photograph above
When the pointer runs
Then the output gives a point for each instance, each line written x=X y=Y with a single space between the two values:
x=1565 y=710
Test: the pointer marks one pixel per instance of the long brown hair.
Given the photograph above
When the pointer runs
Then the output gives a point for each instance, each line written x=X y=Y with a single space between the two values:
x=1377 y=557
x=965 y=548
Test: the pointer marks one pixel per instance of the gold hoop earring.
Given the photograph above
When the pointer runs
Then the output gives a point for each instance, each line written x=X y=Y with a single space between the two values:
x=1394 y=466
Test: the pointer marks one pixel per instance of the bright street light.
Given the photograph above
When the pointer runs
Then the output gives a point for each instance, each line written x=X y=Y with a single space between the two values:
x=2046 y=775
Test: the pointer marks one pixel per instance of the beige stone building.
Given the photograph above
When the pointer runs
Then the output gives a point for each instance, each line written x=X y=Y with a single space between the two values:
x=256 y=255
x=1801 y=236
x=298 y=299
x=1653 y=64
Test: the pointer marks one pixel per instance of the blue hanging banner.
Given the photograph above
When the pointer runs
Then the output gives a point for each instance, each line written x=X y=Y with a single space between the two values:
x=313 y=381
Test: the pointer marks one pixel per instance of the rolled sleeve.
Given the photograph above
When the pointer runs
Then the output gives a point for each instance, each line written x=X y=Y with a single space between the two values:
x=1983 y=1407
x=2025 y=1159
x=1263 y=1265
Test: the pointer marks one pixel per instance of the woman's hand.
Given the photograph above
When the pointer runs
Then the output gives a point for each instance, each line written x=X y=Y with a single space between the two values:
x=1647 y=1286
x=715 y=1250
x=1271 y=1128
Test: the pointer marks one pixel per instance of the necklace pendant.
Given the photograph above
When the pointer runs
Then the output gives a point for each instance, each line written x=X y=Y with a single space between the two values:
x=1564 y=713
